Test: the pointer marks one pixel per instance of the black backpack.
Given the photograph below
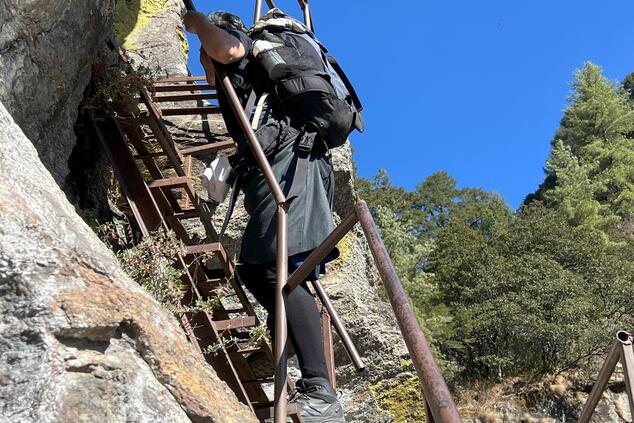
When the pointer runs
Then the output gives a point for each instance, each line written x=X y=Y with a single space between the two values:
x=308 y=83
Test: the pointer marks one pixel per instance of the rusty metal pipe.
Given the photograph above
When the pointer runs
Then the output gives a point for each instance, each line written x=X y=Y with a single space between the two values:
x=258 y=11
x=243 y=120
x=627 y=359
x=602 y=382
x=341 y=330
x=319 y=253
x=434 y=387
x=270 y=3
x=326 y=333
x=281 y=329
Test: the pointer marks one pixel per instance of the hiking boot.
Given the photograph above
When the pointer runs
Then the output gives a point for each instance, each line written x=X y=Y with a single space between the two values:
x=316 y=401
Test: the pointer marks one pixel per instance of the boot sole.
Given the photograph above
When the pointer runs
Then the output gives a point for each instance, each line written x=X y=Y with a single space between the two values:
x=324 y=420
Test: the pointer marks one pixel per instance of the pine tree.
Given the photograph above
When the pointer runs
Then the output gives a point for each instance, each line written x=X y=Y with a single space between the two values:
x=574 y=193
x=590 y=171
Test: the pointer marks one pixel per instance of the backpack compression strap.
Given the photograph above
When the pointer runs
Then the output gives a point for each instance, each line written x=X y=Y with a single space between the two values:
x=235 y=189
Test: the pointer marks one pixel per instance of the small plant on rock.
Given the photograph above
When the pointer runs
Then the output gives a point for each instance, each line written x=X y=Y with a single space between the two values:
x=152 y=264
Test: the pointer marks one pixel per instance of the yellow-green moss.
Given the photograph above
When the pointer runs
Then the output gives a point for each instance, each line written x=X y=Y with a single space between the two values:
x=345 y=248
x=401 y=399
x=184 y=44
x=131 y=16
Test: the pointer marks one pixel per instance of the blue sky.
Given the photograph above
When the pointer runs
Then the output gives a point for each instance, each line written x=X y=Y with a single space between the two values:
x=473 y=88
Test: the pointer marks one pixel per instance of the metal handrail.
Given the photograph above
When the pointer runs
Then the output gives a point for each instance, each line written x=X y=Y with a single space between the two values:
x=621 y=350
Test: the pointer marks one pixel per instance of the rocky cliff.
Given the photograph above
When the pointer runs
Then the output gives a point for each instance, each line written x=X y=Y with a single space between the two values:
x=46 y=50
x=79 y=340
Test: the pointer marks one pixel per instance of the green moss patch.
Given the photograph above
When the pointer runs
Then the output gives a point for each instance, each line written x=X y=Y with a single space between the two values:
x=401 y=398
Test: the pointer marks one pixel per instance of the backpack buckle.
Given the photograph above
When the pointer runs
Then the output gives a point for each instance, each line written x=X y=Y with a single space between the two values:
x=306 y=142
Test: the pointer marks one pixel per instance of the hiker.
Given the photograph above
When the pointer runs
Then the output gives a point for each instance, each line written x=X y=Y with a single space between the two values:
x=309 y=188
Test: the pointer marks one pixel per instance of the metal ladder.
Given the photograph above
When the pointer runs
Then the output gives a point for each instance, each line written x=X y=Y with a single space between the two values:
x=161 y=196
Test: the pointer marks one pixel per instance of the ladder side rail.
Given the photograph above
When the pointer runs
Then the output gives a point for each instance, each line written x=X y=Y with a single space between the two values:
x=329 y=353
x=199 y=326
x=134 y=188
x=258 y=11
x=339 y=327
x=139 y=197
x=162 y=134
x=308 y=19
x=435 y=390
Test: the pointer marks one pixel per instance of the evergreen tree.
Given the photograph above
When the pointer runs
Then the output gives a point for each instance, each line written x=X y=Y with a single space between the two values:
x=538 y=295
x=590 y=172
x=574 y=194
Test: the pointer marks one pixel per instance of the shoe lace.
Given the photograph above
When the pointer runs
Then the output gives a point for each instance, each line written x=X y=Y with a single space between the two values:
x=297 y=393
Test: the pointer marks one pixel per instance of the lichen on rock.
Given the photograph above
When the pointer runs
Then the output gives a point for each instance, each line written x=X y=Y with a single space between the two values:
x=401 y=398
x=151 y=32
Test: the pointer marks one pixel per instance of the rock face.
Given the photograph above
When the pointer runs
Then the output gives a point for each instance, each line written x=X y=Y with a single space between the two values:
x=81 y=342
x=46 y=49
x=151 y=32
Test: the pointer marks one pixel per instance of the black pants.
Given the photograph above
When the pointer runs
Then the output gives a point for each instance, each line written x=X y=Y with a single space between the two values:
x=304 y=325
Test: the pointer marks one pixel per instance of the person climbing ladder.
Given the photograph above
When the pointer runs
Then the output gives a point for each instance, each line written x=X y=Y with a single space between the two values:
x=298 y=152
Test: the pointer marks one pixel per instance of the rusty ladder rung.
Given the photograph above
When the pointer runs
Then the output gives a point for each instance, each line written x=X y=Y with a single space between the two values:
x=173 y=79
x=209 y=148
x=182 y=87
x=188 y=111
x=236 y=323
x=266 y=412
x=184 y=97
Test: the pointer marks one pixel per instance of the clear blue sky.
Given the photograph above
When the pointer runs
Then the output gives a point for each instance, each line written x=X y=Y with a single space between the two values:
x=474 y=88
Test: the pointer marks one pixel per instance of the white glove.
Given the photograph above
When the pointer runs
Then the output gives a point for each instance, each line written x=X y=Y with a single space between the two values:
x=215 y=178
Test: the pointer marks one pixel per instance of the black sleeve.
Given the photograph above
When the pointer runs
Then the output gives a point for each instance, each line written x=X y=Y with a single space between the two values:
x=246 y=41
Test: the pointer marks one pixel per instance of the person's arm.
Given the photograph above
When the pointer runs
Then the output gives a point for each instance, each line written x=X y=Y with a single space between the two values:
x=217 y=43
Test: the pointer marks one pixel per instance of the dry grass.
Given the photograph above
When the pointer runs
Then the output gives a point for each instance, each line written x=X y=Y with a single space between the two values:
x=490 y=417
x=479 y=401
x=560 y=385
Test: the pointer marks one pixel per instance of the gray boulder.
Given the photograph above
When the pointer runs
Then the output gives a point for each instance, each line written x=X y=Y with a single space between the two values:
x=79 y=340
x=46 y=50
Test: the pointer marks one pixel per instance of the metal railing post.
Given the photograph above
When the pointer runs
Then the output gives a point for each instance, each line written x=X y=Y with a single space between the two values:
x=341 y=330
x=627 y=359
x=602 y=382
x=258 y=11
x=434 y=387
x=281 y=328
x=308 y=21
